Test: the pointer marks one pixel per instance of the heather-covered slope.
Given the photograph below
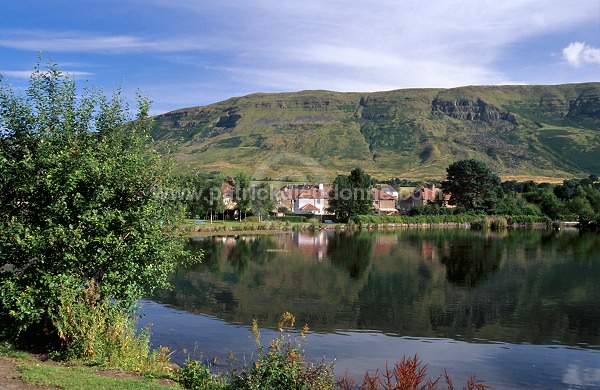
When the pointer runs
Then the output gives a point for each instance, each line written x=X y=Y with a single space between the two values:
x=549 y=131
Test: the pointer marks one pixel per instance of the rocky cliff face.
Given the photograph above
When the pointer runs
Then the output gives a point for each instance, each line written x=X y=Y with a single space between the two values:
x=586 y=106
x=471 y=110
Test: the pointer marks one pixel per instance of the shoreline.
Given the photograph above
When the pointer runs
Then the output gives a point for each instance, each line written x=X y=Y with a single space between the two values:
x=276 y=227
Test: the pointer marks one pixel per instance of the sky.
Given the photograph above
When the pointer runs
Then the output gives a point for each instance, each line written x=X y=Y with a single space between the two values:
x=183 y=53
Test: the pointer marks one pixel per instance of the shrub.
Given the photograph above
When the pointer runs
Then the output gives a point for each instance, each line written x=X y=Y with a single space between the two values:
x=409 y=374
x=79 y=189
x=283 y=366
x=290 y=218
x=99 y=331
x=414 y=220
x=194 y=375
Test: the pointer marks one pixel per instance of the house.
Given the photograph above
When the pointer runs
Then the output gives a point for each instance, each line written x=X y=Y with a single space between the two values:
x=304 y=199
x=384 y=203
x=227 y=195
x=312 y=201
x=422 y=197
x=287 y=194
x=388 y=189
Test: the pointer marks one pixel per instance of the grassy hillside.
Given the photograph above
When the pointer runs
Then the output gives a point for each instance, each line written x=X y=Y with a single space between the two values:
x=524 y=131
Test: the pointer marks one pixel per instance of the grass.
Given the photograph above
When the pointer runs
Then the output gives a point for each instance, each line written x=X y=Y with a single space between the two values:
x=82 y=378
x=33 y=371
x=218 y=227
x=8 y=350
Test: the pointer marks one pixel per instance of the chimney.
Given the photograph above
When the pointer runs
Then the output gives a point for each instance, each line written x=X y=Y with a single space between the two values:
x=321 y=186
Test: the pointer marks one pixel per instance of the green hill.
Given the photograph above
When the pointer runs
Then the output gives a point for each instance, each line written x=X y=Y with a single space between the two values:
x=520 y=131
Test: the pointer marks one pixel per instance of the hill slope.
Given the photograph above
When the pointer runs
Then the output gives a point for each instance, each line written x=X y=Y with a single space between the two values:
x=551 y=131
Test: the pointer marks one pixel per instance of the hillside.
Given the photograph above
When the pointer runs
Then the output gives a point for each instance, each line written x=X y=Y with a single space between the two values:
x=524 y=131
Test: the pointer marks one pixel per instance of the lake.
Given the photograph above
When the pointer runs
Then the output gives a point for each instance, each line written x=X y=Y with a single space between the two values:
x=519 y=308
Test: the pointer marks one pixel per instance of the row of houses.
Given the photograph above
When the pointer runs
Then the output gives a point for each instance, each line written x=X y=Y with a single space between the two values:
x=314 y=199
x=309 y=199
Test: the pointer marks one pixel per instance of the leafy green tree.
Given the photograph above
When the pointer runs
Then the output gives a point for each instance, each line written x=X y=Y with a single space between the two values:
x=473 y=186
x=79 y=198
x=351 y=195
x=550 y=204
x=241 y=192
x=262 y=200
x=188 y=192
x=211 y=198
x=580 y=207
x=515 y=204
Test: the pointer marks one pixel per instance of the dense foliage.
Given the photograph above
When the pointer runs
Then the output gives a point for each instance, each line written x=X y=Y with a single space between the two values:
x=351 y=195
x=473 y=186
x=79 y=199
x=241 y=193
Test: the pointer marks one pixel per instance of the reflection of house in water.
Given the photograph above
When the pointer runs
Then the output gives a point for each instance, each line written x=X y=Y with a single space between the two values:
x=313 y=244
x=429 y=250
x=384 y=245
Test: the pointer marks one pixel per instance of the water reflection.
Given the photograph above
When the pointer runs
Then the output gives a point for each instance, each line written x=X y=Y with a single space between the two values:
x=351 y=252
x=538 y=287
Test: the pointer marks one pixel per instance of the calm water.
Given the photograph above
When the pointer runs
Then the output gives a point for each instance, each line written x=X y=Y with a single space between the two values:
x=520 y=308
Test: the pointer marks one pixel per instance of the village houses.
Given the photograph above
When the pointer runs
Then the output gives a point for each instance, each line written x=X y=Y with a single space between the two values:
x=313 y=199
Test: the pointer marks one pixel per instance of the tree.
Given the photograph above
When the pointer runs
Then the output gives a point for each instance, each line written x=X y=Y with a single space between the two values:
x=241 y=192
x=79 y=198
x=189 y=191
x=473 y=186
x=211 y=197
x=262 y=200
x=351 y=195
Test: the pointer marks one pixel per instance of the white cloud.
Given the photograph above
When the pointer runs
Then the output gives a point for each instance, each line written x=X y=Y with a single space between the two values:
x=578 y=53
x=85 y=42
x=25 y=74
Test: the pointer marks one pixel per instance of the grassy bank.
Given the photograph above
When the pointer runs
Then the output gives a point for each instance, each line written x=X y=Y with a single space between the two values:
x=219 y=227
x=453 y=220
x=19 y=369
x=373 y=222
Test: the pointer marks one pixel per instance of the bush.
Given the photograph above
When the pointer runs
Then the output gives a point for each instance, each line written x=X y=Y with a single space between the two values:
x=79 y=198
x=290 y=218
x=415 y=219
x=194 y=375
x=101 y=332
x=409 y=374
x=283 y=366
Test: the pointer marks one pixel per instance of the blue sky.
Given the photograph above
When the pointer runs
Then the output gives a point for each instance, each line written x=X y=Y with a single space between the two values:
x=185 y=53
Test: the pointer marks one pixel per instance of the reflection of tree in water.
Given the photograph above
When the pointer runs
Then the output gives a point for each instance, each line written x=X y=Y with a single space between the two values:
x=351 y=251
x=470 y=261
x=247 y=249
x=212 y=251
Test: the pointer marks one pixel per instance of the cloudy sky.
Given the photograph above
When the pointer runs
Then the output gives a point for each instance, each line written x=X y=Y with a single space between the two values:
x=184 y=53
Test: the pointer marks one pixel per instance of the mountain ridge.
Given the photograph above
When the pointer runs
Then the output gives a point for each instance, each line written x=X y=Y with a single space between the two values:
x=519 y=130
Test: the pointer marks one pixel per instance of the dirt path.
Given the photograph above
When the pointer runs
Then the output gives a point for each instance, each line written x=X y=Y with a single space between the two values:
x=8 y=377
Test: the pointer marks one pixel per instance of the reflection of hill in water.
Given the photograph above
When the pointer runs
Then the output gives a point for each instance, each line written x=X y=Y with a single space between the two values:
x=532 y=286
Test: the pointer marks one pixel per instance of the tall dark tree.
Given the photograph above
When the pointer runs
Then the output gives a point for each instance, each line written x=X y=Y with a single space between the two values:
x=351 y=195
x=473 y=186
